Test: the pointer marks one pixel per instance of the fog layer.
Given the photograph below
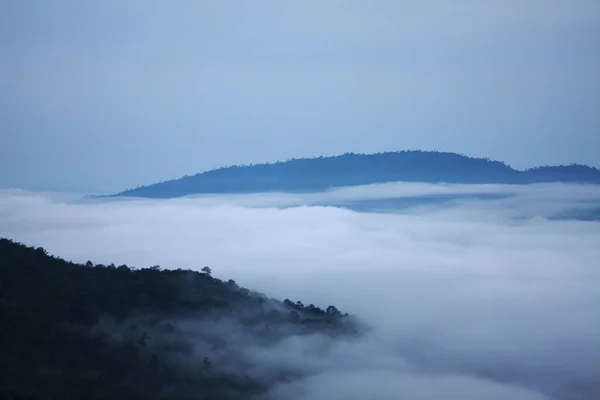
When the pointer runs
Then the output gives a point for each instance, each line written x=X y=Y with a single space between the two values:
x=477 y=298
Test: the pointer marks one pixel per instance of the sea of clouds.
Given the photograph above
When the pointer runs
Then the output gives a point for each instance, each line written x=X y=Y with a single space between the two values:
x=473 y=298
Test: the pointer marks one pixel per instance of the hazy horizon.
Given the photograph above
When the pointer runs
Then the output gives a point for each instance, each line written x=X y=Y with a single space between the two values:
x=103 y=96
x=79 y=190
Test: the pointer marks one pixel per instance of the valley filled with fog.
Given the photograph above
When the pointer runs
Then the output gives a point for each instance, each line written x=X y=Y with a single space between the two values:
x=469 y=291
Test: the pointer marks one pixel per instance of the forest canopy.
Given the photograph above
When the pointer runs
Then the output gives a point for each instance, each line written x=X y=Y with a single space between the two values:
x=106 y=331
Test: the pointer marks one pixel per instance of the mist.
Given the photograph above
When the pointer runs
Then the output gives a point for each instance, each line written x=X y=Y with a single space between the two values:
x=474 y=297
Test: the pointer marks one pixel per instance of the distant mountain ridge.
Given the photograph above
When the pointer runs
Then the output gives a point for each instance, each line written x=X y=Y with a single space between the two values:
x=350 y=169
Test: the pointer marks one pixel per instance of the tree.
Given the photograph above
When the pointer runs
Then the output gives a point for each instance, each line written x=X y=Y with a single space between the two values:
x=206 y=270
x=89 y=264
x=233 y=284
x=332 y=310
x=315 y=310
x=288 y=303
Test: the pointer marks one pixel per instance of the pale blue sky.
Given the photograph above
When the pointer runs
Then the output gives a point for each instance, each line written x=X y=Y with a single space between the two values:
x=105 y=95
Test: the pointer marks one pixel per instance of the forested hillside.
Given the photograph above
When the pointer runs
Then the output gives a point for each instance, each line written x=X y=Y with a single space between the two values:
x=71 y=331
x=313 y=174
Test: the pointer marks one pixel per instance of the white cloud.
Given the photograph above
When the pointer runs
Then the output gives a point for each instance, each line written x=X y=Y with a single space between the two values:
x=465 y=301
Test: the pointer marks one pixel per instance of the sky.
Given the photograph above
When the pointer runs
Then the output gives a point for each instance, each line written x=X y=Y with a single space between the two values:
x=482 y=299
x=107 y=95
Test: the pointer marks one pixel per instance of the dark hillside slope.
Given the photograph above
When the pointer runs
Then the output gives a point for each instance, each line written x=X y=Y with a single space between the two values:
x=70 y=331
x=314 y=174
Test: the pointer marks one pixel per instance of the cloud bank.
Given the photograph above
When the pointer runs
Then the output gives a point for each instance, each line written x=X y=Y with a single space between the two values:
x=480 y=298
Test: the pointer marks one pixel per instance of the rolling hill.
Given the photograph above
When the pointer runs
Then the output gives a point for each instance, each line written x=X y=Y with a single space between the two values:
x=93 y=331
x=321 y=173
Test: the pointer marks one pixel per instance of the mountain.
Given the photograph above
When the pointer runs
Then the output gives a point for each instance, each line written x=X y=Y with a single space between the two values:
x=72 y=331
x=321 y=173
